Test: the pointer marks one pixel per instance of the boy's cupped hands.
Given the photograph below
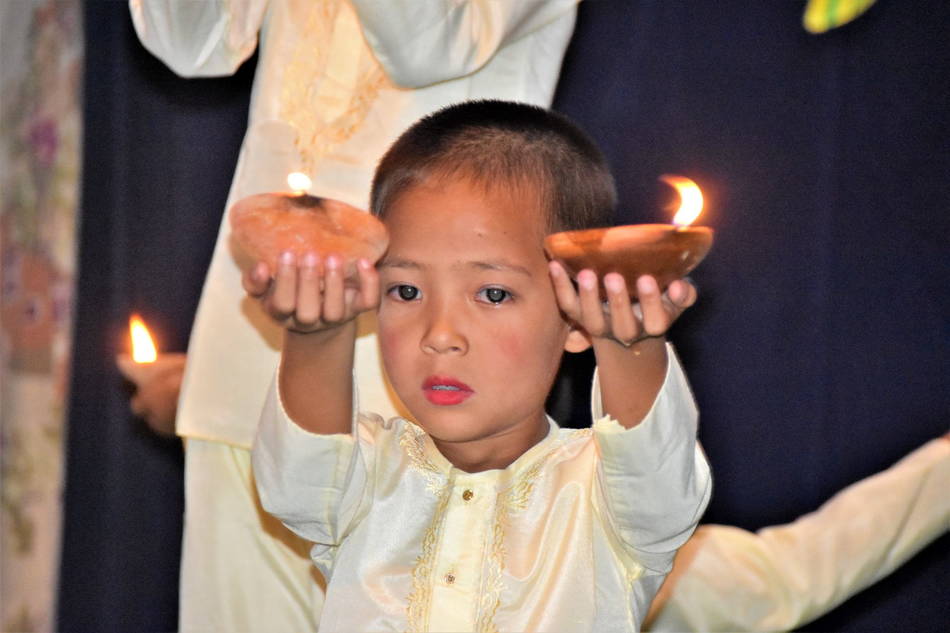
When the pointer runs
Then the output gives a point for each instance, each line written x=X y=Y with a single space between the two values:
x=618 y=318
x=313 y=294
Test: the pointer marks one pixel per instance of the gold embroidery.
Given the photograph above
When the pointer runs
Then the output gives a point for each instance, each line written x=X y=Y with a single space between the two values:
x=417 y=607
x=518 y=495
x=513 y=499
x=492 y=584
x=576 y=434
x=412 y=440
x=327 y=97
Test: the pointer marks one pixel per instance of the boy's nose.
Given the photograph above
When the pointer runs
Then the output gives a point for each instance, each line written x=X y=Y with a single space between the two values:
x=443 y=336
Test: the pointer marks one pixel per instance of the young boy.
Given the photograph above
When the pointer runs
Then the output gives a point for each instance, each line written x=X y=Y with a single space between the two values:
x=477 y=513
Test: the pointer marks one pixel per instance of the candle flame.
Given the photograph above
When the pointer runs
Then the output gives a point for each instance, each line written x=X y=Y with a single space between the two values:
x=299 y=182
x=143 y=348
x=691 y=199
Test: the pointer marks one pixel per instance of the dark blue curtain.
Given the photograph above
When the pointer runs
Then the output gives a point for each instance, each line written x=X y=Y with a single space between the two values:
x=159 y=153
x=819 y=348
x=818 y=351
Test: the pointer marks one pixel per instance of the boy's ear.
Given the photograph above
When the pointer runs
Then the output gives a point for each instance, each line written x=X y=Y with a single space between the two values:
x=578 y=340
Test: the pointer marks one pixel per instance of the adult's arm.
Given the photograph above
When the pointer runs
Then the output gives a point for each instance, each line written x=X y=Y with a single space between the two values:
x=199 y=38
x=422 y=43
x=780 y=578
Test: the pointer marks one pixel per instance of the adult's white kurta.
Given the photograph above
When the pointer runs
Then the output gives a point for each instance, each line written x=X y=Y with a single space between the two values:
x=576 y=535
x=781 y=578
x=337 y=81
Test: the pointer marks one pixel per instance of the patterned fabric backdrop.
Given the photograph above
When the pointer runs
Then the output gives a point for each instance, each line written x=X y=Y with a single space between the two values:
x=40 y=133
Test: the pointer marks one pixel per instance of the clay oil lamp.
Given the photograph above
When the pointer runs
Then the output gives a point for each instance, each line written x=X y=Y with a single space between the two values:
x=268 y=224
x=145 y=364
x=665 y=251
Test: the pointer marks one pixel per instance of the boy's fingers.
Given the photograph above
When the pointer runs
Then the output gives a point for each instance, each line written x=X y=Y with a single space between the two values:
x=283 y=299
x=682 y=294
x=308 y=291
x=656 y=318
x=564 y=292
x=592 y=312
x=369 y=285
x=334 y=298
x=625 y=327
x=256 y=280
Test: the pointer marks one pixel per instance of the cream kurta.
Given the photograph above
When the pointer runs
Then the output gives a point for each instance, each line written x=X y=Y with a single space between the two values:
x=576 y=535
x=783 y=577
x=337 y=81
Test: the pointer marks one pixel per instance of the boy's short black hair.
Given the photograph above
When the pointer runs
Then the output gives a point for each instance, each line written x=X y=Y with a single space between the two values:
x=501 y=143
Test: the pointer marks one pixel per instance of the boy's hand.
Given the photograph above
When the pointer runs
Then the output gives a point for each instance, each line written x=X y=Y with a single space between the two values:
x=312 y=294
x=617 y=318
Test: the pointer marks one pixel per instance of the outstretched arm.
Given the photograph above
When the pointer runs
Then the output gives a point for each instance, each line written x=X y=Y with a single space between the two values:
x=780 y=578
x=312 y=300
x=629 y=340
x=654 y=479
x=207 y=38
x=304 y=451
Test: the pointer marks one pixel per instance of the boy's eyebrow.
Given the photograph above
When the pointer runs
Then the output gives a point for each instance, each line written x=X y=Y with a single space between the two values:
x=498 y=264
x=395 y=262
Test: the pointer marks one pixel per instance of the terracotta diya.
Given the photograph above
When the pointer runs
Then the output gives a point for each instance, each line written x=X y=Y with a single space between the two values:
x=145 y=363
x=667 y=252
x=268 y=224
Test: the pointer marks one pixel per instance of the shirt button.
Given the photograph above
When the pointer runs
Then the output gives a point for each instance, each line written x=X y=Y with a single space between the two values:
x=467 y=495
x=449 y=579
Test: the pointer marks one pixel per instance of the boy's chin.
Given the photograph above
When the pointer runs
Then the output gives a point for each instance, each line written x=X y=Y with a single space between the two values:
x=453 y=431
x=449 y=432
x=458 y=428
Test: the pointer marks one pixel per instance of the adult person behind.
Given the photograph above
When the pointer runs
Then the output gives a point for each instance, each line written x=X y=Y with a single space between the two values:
x=336 y=81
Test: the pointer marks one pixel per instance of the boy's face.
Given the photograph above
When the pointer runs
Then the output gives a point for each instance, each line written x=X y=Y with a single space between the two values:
x=469 y=328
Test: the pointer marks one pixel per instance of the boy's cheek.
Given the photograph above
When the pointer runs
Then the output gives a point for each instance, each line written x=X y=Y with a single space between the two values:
x=387 y=342
x=523 y=353
x=510 y=346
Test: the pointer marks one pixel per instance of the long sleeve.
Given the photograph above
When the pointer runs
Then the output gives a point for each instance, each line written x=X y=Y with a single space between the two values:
x=727 y=579
x=199 y=38
x=422 y=43
x=654 y=477
x=313 y=483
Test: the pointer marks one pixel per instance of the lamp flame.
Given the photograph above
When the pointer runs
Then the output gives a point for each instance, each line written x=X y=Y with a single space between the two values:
x=143 y=348
x=691 y=199
x=299 y=182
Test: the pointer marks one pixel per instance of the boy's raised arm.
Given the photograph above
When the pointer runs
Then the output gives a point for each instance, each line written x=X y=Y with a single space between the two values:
x=654 y=479
x=315 y=380
x=313 y=301
x=628 y=339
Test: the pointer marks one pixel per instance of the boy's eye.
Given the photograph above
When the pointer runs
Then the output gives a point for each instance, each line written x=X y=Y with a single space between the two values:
x=406 y=292
x=495 y=295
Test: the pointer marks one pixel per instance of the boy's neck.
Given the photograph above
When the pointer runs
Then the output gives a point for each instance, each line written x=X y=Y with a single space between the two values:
x=493 y=453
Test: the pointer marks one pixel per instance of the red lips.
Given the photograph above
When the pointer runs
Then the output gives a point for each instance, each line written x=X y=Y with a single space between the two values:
x=445 y=391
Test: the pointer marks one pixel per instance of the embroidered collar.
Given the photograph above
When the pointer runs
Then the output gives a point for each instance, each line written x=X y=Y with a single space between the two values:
x=425 y=457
